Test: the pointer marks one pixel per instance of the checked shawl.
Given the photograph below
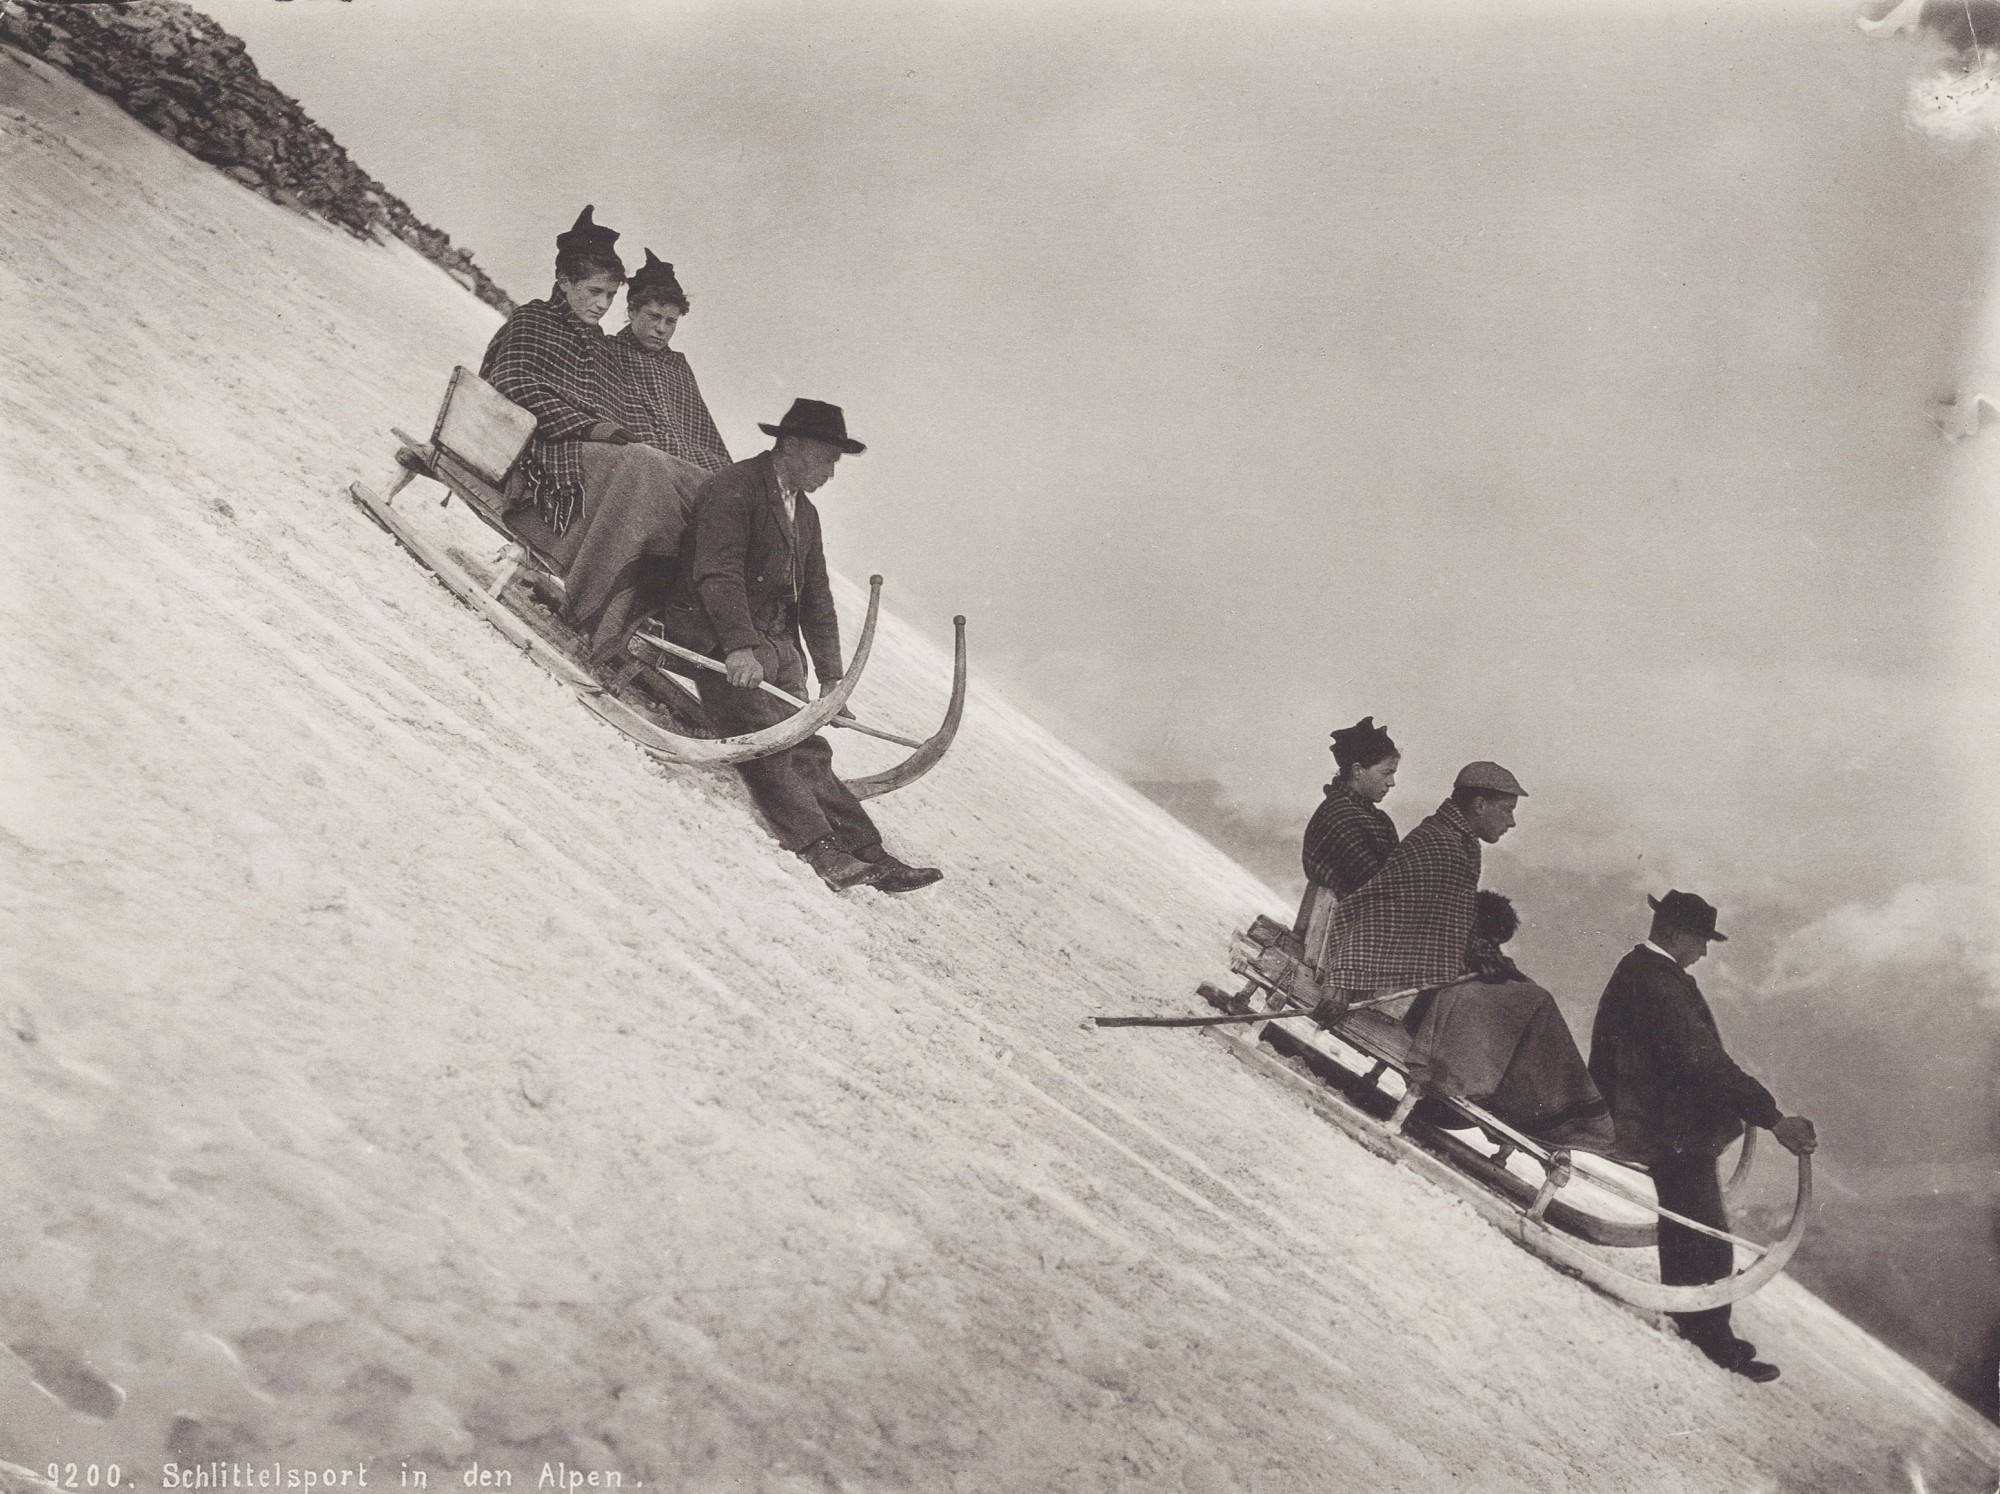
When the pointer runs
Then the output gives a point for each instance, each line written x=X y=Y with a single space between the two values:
x=673 y=416
x=553 y=364
x=1408 y=924
x=1347 y=840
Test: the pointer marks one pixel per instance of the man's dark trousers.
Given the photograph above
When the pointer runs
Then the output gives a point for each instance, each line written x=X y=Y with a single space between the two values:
x=1687 y=1184
x=796 y=790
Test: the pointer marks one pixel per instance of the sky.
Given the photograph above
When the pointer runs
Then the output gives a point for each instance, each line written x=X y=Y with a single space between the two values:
x=1551 y=382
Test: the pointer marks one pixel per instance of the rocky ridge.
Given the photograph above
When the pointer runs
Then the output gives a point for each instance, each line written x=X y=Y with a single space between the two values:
x=184 y=77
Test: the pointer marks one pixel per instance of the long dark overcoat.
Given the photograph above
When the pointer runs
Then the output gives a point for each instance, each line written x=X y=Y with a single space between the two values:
x=752 y=574
x=1659 y=1062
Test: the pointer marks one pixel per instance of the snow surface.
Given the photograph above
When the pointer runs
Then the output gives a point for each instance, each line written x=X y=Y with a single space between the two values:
x=403 y=1070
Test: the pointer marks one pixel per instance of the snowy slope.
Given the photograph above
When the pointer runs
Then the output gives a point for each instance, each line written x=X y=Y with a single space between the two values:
x=405 y=1071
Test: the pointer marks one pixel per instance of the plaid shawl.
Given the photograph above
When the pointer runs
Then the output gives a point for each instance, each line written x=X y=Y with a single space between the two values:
x=672 y=414
x=1347 y=840
x=1409 y=923
x=552 y=363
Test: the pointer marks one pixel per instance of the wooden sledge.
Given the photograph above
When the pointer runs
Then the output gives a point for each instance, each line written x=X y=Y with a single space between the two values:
x=473 y=450
x=1544 y=1198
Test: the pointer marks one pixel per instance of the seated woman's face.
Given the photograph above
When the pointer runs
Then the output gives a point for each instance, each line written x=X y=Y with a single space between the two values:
x=591 y=296
x=1373 y=782
x=653 y=325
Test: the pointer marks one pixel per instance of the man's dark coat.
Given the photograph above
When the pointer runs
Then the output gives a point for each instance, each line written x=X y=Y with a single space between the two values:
x=755 y=574
x=1657 y=1059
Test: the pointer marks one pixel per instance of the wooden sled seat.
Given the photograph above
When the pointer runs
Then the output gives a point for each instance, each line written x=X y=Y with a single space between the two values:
x=474 y=452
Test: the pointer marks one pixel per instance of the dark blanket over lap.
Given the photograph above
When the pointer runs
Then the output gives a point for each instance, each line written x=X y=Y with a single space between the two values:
x=1505 y=1045
x=636 y=503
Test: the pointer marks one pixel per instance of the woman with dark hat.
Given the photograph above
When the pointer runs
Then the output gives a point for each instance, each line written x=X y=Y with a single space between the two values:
x=1349 y=837
x=673 y=416
x=604 y=509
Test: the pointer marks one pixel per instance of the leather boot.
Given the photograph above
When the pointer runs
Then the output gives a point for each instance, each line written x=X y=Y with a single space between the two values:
x=836 y=868
x=897 y=875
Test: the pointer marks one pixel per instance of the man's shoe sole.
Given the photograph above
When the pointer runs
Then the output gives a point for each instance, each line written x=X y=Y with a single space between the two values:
x=870 y=877
x=907 y=881
x=1756 y=1371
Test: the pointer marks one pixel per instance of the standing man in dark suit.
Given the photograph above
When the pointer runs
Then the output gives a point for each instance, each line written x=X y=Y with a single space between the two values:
x=1678 y=1099
x=756 y=590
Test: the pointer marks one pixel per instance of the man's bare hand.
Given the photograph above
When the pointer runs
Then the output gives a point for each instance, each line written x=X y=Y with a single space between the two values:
x=1795 y=1135
x=826 y=688
x=745 y=673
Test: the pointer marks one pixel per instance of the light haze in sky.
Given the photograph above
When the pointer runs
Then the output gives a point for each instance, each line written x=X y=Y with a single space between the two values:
x=1551 y=382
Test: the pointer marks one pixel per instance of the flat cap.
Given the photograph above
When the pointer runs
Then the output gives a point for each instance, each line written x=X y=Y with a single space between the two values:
x=1489 y=778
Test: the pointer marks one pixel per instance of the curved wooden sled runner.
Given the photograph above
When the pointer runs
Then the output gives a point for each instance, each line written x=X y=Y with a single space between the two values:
x=1549 y=1213
x=923 y=756
x=715 y=752
x=920 y=762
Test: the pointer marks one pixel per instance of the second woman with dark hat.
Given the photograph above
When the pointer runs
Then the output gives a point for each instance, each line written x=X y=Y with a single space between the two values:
x=673 y=415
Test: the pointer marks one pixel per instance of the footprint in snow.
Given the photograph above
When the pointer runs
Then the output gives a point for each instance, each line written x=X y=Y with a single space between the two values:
x=532 y=1082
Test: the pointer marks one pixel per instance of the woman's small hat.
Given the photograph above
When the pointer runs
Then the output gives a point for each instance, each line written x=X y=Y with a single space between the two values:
x=1684 y=909
x=821 y=422
x=655 y=274
x=585 y=234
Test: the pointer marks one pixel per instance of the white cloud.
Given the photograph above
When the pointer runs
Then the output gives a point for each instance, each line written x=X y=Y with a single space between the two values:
x=1927 y=942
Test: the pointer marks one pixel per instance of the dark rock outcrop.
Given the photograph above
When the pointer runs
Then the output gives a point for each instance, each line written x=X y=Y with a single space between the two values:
x=182 y=76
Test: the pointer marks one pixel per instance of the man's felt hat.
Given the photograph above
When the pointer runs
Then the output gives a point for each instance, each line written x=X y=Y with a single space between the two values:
x=1489 y=778
x=585 y=233
x=1683 y=909
x=821 y=422
x=654 y=275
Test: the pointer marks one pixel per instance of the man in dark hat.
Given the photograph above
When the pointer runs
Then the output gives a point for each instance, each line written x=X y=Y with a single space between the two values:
x=755 y=588
x=606 y=510
x=673 y=415
x=1678 y=1099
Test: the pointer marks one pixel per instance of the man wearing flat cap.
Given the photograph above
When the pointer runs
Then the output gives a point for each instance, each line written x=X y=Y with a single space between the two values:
x=1408 y=924
x=1501 y=1042
x=1678 y=1099
x=755 y=595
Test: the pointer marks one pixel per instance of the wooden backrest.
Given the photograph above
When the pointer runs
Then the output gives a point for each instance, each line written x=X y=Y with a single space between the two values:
x=481 y=427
